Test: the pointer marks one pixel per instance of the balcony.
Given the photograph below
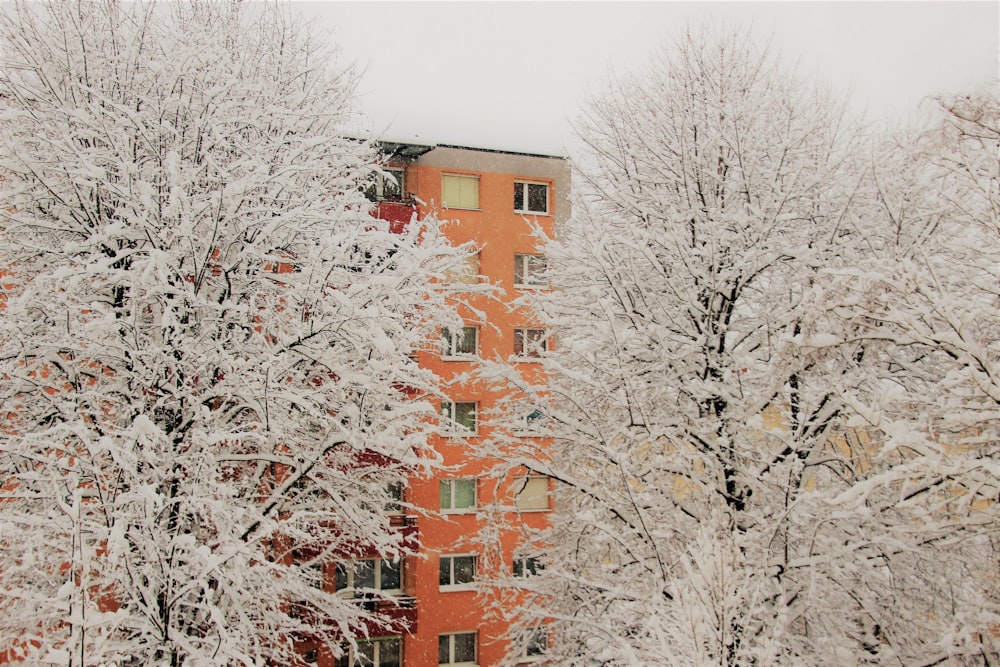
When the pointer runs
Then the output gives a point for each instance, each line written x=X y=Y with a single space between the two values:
x=397 y=213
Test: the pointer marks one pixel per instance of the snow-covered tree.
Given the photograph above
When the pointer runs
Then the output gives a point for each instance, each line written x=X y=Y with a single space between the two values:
x=719 y=502
x=204 y=339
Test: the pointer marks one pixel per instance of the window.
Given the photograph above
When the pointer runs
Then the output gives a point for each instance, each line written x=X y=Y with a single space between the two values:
x=531 y=197
x=527 y=566
x=460 y=191
x=459 y=418
x=383 y=652
x=531 y=493
x=530 y=343
x=395 y=492
x=460 y=343
x=310 y=655
x=457 y=571
x=387 y=185
x=466 y=273
x=531 y=423
x=314 y=574
x=379 y=574
x=458 y=494
x=529 y=270
x=535 y=642
x=457 y=649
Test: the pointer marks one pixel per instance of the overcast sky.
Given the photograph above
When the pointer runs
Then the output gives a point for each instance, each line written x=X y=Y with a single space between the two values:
x=512 y=75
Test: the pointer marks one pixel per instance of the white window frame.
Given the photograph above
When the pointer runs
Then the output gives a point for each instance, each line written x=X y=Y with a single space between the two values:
x=448 y=344
x=350 y=571
x=530 y=350
x=462 y=586
x=450 y=483
x=521 y=485
x=529 y=278
x=522 y=205
x=470 y=177
x=451 y=426
x=451 y=648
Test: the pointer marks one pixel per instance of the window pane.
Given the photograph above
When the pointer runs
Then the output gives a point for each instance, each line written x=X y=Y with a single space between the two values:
x=532 y=493
x=366 y=653
x=390 y=653
x=444 y=649
x=342 y=580
x=518 y=196
x=364 y=574
x=460 y=191
x=465 y=647
x=538 y=198
x=390 y=578
x=444 y=576
x=465 y=493
x=536 y=267
x=465 y=569
x=466 y=343
x=538 y=641
x=446 y=503
x=465 y=415
x=392 y=185
x=467 y=272
x=529 y=269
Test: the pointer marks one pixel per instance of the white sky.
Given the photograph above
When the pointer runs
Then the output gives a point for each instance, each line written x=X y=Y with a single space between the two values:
x=512 y=75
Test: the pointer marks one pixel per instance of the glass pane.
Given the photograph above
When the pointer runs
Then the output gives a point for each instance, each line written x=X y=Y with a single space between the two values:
x=444 y=577
x=535 y=343
x=465 y=569
x=519 y=564
x=519 y=265
x=465 y=415
x=518 y=196
x=538 y=197
x=395 y=491
x=466 y=344
x=392 y=187
x=366 y=653
x=465 y=493
x=518 y=342
x=364 y=574
x=532 y=493
x=390 y=575
x=342 y=580
x=537 y=642
x=444 y=649
x=446 y=495
x=390 y=653
x=535 y=269
x=465 y=647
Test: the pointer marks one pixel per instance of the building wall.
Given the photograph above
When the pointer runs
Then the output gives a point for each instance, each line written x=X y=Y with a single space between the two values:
x=500 y=233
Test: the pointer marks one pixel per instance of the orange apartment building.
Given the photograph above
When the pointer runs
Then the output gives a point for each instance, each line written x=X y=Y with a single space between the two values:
x=440 y=616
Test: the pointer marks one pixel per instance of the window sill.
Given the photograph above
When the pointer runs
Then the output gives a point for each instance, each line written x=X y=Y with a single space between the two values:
x=459 y=588
x=459 y=208
x=545 y=214
x=464 y=510
x=459 y=357
x=529 y=286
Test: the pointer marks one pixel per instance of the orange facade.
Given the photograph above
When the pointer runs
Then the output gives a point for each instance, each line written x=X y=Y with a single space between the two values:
x=493 y=200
